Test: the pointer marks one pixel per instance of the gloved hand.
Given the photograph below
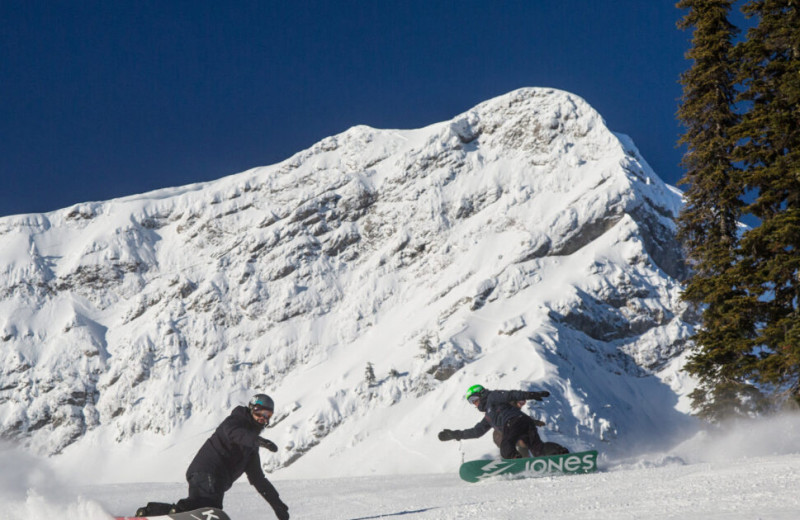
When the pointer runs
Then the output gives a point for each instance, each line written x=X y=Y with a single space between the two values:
x=271 y=496
x=267 y=445
x=281 y=509
x=448 y=435
x=538 y=395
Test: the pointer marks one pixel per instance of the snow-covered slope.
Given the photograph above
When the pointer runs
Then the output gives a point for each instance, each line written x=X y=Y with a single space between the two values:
x=720 y=476
x=520 y=245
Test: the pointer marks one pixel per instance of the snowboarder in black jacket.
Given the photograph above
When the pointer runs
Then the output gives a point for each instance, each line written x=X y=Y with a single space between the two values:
x=230 y=451
x=501 y=414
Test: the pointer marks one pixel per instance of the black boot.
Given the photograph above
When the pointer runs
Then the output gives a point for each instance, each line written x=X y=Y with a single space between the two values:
x=154 y=509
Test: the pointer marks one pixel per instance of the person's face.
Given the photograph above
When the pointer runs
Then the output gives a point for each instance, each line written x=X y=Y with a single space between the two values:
x=261 y=415
x=474 y=400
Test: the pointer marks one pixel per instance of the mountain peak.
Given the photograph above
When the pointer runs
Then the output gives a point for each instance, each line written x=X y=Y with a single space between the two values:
x=520 y=244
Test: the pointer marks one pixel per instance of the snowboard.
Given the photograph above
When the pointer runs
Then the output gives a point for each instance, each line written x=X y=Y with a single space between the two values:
x=570 y=463
x=204 y=513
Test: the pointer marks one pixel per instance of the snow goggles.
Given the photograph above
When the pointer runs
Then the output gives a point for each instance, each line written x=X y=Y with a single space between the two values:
x=473 y=399
x=262 y=413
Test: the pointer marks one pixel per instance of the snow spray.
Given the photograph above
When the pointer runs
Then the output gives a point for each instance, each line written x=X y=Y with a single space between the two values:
x=30 y=491
x=743 y=438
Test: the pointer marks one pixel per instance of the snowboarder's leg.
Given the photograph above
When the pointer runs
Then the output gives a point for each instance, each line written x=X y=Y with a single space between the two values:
x=514 y=430
x=532 y=439
x=205 y=490
x=522 y=449
x=539 y=448
x=508 y=449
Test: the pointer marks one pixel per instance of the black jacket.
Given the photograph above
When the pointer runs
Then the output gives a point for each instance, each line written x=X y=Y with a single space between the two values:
x=232 y=450
x=499 y=410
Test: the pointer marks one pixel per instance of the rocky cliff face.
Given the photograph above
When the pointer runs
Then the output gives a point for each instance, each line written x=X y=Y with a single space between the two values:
x=520 y=244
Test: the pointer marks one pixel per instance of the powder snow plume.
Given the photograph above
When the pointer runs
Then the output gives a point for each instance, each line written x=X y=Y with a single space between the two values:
x=765 y=436
x=30 y=491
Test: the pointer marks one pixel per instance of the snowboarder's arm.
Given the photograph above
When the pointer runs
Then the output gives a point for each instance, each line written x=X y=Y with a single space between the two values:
x=267 y=444
x=472 y=433
x=265 y=488
x=505 y=396
x=476 y=431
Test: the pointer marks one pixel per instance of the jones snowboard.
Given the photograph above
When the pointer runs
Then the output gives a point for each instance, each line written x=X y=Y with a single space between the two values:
x=570 y=463
x=204 y=513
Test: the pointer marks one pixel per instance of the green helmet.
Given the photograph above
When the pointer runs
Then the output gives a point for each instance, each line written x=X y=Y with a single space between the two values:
x=474 y=390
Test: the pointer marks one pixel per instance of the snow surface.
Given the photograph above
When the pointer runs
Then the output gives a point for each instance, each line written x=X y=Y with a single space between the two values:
x=747 y=471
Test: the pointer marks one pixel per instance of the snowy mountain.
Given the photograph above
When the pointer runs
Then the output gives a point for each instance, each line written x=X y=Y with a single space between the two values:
x=521 y=244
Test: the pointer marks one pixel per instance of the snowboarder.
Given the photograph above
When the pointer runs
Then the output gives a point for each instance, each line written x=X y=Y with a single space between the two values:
x=230 y=451
x=502 y=414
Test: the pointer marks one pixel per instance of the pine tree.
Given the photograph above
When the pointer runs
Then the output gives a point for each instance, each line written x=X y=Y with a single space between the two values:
x=769 y=133
x=707 y=225
x=369 y=375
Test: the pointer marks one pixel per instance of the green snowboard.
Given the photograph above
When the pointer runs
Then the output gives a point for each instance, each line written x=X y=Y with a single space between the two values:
x=571 y=463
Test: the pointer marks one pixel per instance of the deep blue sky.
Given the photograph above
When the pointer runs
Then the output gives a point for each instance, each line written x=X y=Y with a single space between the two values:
x=101 y=99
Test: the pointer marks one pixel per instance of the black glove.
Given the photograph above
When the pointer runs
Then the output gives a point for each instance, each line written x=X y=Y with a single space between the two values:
x=270 y=494
x=448 y=435
x=538 y=395
x=281 y=509
x=267 y=445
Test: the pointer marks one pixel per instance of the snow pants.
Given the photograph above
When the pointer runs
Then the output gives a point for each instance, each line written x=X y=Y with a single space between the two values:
x=205 y=490
x=523 y=428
